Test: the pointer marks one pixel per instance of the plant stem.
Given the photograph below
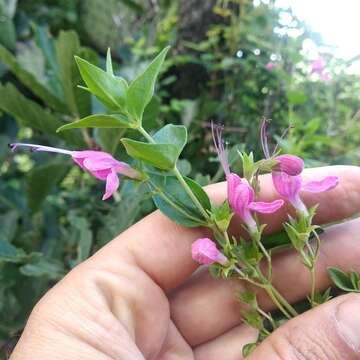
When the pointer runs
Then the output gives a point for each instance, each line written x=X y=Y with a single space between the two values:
x=313 y=285
x=146 y=135
x=270 y=291
x=291 y=310
x=190 y=193
x=180 y=178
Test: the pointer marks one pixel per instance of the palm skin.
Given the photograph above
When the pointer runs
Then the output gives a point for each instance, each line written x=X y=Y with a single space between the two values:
x=138 y=297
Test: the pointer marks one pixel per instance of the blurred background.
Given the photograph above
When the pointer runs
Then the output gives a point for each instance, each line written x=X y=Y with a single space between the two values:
x=232 y=62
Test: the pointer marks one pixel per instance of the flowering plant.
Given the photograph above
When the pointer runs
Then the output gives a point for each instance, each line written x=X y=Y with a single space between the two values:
x=155 y=162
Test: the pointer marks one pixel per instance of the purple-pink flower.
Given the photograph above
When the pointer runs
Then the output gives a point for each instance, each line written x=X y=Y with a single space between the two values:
x=318 y=65
x=100 y=164
x=240 y=194
x=205 y=252
x=270 y=66
x=290 y=164
x=290 y=187
x=241 y=199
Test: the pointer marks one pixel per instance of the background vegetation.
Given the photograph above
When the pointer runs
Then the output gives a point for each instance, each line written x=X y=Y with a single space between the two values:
x=51 y=213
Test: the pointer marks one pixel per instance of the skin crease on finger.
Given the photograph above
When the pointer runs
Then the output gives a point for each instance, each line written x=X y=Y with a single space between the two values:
x=131 y=275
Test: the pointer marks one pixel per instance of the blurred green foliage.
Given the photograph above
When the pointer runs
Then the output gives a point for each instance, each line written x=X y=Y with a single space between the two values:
x=51 y=213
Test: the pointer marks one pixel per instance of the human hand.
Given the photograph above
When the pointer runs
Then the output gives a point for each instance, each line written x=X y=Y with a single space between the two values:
x=137 y=298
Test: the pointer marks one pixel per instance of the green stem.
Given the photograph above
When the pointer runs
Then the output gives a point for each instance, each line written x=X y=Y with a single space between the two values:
x=270 y=291
x=313 y=285
x=291 y=310
x=146 y=135
x=180 y=178
x=190 y=193
x=178 y=208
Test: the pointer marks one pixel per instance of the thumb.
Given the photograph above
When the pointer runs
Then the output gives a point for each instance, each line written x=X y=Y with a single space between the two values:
x=329 y=331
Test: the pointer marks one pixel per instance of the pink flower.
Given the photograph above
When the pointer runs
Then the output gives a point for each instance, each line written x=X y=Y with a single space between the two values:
x=290 y=186
x=205 y=252
x=290 y=164
x=100 y=164
x=240 y=194
x=270 y=66
x=318 y=65
x=241 y=198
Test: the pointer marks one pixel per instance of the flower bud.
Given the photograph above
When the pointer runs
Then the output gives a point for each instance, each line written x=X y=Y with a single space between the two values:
x=205 y=252
x=290 y=164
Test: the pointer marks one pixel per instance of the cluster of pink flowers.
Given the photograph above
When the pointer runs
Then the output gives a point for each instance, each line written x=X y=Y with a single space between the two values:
x=287 y=180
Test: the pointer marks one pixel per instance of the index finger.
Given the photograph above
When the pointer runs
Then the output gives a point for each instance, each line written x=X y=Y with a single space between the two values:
x=161 y=248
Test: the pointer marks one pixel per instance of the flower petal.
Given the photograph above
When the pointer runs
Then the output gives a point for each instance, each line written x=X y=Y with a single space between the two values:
x=101 y=174
x=204 y=251
x=266 y=207
x=112 y=184
x=290 y=164
x=95 y=164
x=325 y=184
x=286 y=185
x=244 y=195
x=80 y=156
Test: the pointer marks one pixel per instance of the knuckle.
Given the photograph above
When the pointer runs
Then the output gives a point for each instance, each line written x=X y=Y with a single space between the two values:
x=299 y=343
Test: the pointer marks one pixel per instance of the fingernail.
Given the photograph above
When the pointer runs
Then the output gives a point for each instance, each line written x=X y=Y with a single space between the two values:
x=348 y=320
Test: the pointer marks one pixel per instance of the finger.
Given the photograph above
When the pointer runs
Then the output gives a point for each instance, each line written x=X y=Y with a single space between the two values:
x=202 y=295
x=330 y=331
x=162 y=249
x=227 y=346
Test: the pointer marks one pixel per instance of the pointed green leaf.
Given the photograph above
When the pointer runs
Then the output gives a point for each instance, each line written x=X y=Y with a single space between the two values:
x=172 y=134
x=41 y=180
x=30 y=81
x=67 y=45
x=141 y=90
x=173 y=201
x=109 y=66
x=248 y=349
x=161 y=156
x=98 y=121
x=109 y=89
x=170 y=140
x=341 y=279
x=29 y=113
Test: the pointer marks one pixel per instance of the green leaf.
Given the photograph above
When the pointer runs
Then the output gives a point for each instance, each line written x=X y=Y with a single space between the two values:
x=30 y=81
x=99 y=121
x=172 y=134
x=44 y=267
x=296 y=97
x=199 y=193
x=8 y=225
x=222 y=215
x=10 y=253
x=248 y=349
x=41 y=180
x=109 y=89
x=342 y=280
x=84 y=237
x=173 y=201
x=67 y=46
x=30 y=114
x=170 y=141
x=109 y=66
x=141 y=90
x=161 y=156
x=248 y=297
